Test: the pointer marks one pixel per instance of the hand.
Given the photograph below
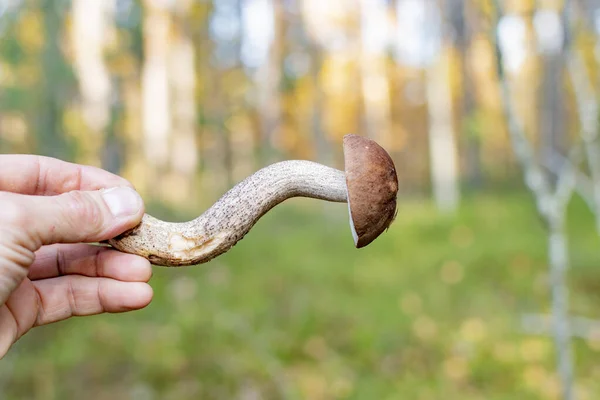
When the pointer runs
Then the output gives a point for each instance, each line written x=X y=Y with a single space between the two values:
x=49 y=209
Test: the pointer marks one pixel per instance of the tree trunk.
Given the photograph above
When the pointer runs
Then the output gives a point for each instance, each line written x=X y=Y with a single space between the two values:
x=442 y=138
x=374 y=79
x=322 y=147
x=156 y=99
x=49 y=107
x=90 y=26
x=182 y=73
x=268 y=78
x=321 y=144
x=442 y=142
x=552 y=111
x=471 y=135
x=559 y=263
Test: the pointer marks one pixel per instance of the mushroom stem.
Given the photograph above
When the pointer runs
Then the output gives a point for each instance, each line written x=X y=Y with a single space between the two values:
x=227 y=221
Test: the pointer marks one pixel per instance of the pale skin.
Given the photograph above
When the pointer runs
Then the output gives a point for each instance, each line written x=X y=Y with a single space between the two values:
x=49 y=211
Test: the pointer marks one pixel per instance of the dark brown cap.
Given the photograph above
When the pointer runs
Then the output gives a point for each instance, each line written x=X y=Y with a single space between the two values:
x=372 y=188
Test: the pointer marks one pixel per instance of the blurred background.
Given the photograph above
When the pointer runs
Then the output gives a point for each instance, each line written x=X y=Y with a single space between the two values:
x=489 y=110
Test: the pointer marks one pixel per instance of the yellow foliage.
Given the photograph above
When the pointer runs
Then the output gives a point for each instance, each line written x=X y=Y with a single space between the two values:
x=136 y=172
x=519 y=6
x=537 y=379
x=551 y=388
x=583 y=392
x=533 y=376
x=123 y=64
x=482 y=64
x=73 y=122
x=199 y=10
x=321 y=382
x=593 y=339
x=69 y=52
x=8 y=75
x=338 y=80
x=473 y=330
x=535 y=349
x=176 y=189
x=452 y=56
x=585 y=46
x=88 y=144
x=505 y=352
x=30 y=30
x=13 y=128
x=312 y=384
x=456 y=368
x=27 y=74
x=132 y=122
x=289 y=141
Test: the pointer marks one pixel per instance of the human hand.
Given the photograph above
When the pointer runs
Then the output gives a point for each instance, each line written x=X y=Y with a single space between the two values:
x=49 y=209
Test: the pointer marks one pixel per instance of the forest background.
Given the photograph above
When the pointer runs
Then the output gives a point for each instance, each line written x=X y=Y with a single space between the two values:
x=487 y=286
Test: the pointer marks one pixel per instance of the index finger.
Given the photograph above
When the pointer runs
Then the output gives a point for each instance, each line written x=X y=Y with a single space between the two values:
x=39 y=175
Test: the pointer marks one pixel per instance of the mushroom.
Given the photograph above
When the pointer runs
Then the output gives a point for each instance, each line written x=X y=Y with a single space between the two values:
x=369 y=186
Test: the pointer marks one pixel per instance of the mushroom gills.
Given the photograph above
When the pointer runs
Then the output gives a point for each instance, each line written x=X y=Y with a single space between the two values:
x=352 y=229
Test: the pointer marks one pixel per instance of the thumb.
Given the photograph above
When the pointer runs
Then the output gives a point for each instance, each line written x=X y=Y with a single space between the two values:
x=83 y=216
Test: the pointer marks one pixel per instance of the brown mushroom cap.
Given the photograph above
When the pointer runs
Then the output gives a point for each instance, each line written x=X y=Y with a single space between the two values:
x=372 y=188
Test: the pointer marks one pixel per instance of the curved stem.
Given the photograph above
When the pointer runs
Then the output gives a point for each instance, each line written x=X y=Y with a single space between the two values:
x=232 y=216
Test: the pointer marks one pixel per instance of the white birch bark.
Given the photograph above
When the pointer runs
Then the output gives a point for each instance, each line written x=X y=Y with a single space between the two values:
x=183 y=80
x=442 y=138
x=375 y=83
x=91 y=24
x=588 y=112
x=156 y=99
x=268 y=78
x=182 y=73
x=551 y=204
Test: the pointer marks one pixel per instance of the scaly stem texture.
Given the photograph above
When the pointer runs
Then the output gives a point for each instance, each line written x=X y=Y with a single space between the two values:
x=232 y=216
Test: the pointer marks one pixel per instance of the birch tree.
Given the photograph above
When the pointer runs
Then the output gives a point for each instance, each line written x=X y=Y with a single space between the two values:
x=156 y=99
x=420 y=43
x=331 y=61
x=265 y=40
x=91 y=25
x=225 y=30
x=375 y=34
x=182 y=78
x=552 y=112
x=461 y=21
x=313 y=24
x=54 y=82
x=553 y=195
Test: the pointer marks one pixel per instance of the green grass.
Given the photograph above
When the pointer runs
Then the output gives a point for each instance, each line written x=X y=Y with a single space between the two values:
x=430 y=310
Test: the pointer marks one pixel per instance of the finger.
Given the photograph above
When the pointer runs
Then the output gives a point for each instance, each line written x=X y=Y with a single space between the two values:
x=38 y=175
x=71 y=217
x=14 y=260
x=9 y=331
x=83 y=259
x=74 y=295
x=22 y=307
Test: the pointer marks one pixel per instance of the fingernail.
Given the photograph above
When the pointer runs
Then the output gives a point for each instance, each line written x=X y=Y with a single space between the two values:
x=122 y=201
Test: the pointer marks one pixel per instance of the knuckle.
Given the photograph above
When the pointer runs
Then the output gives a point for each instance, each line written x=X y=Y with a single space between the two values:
x=84 y=211
x=12 y=212
x=14 y=263
x=14 y=259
